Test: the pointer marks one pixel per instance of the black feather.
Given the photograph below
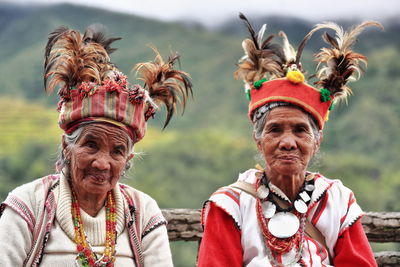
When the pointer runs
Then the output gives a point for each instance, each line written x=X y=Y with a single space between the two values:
x=96 y=33
x=253 y=34
x=330 y=40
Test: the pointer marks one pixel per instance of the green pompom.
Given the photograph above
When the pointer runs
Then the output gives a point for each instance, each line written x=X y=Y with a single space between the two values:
x=258 y=84
x=332 y=106
x=248 y=94
x=325 y=95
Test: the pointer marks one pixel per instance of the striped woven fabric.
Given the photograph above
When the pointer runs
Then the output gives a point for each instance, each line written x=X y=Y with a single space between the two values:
x=299 y=94
x=101 y=104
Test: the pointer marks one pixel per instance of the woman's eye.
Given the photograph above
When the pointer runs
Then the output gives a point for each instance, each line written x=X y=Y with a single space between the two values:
x=119 y=151
x=91 y=144
x=273 y=129
x=300 y=129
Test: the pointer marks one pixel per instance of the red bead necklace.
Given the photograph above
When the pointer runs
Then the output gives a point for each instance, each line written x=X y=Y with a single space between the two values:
x=277 y=246
x=86 y=257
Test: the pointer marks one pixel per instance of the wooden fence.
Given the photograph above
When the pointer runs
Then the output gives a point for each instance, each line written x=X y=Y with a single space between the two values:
x=382 y=227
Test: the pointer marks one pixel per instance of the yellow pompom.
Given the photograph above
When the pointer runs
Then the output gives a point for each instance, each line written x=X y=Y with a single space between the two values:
x=327 y=116
x=295 y=76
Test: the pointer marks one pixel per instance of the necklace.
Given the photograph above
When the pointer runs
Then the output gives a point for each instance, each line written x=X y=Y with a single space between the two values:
x=86 y=257
x=282 y=228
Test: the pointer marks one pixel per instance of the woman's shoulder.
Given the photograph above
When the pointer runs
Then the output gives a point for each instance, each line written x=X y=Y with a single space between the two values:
x=334 y=191
x=329 y=184
x=35 y=189
x=28 y=200
x=248 y=176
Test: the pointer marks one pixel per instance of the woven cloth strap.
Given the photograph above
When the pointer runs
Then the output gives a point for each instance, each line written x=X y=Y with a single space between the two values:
x=310 y=230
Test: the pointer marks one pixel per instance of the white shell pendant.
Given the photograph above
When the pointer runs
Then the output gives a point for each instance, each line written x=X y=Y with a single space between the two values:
x=269 y=209
x=262 y=192
x=309 y=187
x=300 y=206
x=305 y=196
x=283 y=224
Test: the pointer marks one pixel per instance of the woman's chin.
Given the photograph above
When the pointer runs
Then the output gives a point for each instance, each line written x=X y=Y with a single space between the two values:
x=289 y=169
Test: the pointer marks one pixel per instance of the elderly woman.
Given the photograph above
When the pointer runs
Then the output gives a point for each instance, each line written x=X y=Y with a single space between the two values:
x=284 y=215
x=83 y=216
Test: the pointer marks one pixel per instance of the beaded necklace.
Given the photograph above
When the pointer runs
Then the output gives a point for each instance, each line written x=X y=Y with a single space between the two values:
x=86 y=257
x=280 y=242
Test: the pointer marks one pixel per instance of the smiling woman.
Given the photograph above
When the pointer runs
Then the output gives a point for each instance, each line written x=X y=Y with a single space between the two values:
x=77 y=216
x=97 y=161
x=282 y=214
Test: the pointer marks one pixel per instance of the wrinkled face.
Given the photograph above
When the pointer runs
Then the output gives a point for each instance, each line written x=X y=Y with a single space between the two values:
x=287 y=142
x=98 y=158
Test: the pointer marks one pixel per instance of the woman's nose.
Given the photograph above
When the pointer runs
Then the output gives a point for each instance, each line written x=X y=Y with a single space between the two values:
x=101 y=162
x=287 y=142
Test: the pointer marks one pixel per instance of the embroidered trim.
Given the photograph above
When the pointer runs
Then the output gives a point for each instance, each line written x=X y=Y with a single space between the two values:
x=50 y=206
x=22 y=209
x=206 y=208
x=153 y=227
x=132 y=221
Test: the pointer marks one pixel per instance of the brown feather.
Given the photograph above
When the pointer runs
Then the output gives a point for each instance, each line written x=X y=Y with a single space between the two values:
x=165 y=84
x=338 y=64
x=95 y=33
x=70 y=61
x=261 y=57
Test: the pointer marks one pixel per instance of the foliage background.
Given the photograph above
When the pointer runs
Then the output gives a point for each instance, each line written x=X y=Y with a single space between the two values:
x=207 y=147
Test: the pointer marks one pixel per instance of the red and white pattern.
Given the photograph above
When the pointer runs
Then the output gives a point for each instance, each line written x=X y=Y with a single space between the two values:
x=332 y=211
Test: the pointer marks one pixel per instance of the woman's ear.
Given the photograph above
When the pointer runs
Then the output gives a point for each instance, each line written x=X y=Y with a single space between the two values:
x=319 y=140
x=130 y=157
x=63 y=143
x=258 y=142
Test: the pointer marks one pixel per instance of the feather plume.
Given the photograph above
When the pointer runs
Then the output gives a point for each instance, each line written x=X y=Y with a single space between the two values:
x=95 y=33
x=261 y=57
x=288 y=50
x=338 y=64
x=164 y=83
x=71 y=59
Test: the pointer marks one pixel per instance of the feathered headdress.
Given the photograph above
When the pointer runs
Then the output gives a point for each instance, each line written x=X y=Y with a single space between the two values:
x=273 y=72
x=261 y=56
x=338 y=64
x=165 y=83
x=91 y=88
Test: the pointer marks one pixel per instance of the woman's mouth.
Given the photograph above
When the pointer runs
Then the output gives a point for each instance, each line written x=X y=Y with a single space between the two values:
x=98 y=179
x=289 y=158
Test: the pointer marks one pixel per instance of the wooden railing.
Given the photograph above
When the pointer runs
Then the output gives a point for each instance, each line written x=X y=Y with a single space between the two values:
x=382 y=227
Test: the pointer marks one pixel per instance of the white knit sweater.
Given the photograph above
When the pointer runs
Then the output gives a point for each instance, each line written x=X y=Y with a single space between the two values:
x=60 y=250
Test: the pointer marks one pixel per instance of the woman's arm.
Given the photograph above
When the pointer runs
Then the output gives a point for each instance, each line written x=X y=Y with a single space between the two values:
x=155 y=247
x=15 y=239
x=221 y=242
x=353 y=249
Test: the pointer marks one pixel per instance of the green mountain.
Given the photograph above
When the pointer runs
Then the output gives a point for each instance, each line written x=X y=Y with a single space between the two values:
x=211 y=143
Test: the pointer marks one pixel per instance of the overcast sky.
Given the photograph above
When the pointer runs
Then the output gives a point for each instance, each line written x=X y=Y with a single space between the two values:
x=212 y=12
